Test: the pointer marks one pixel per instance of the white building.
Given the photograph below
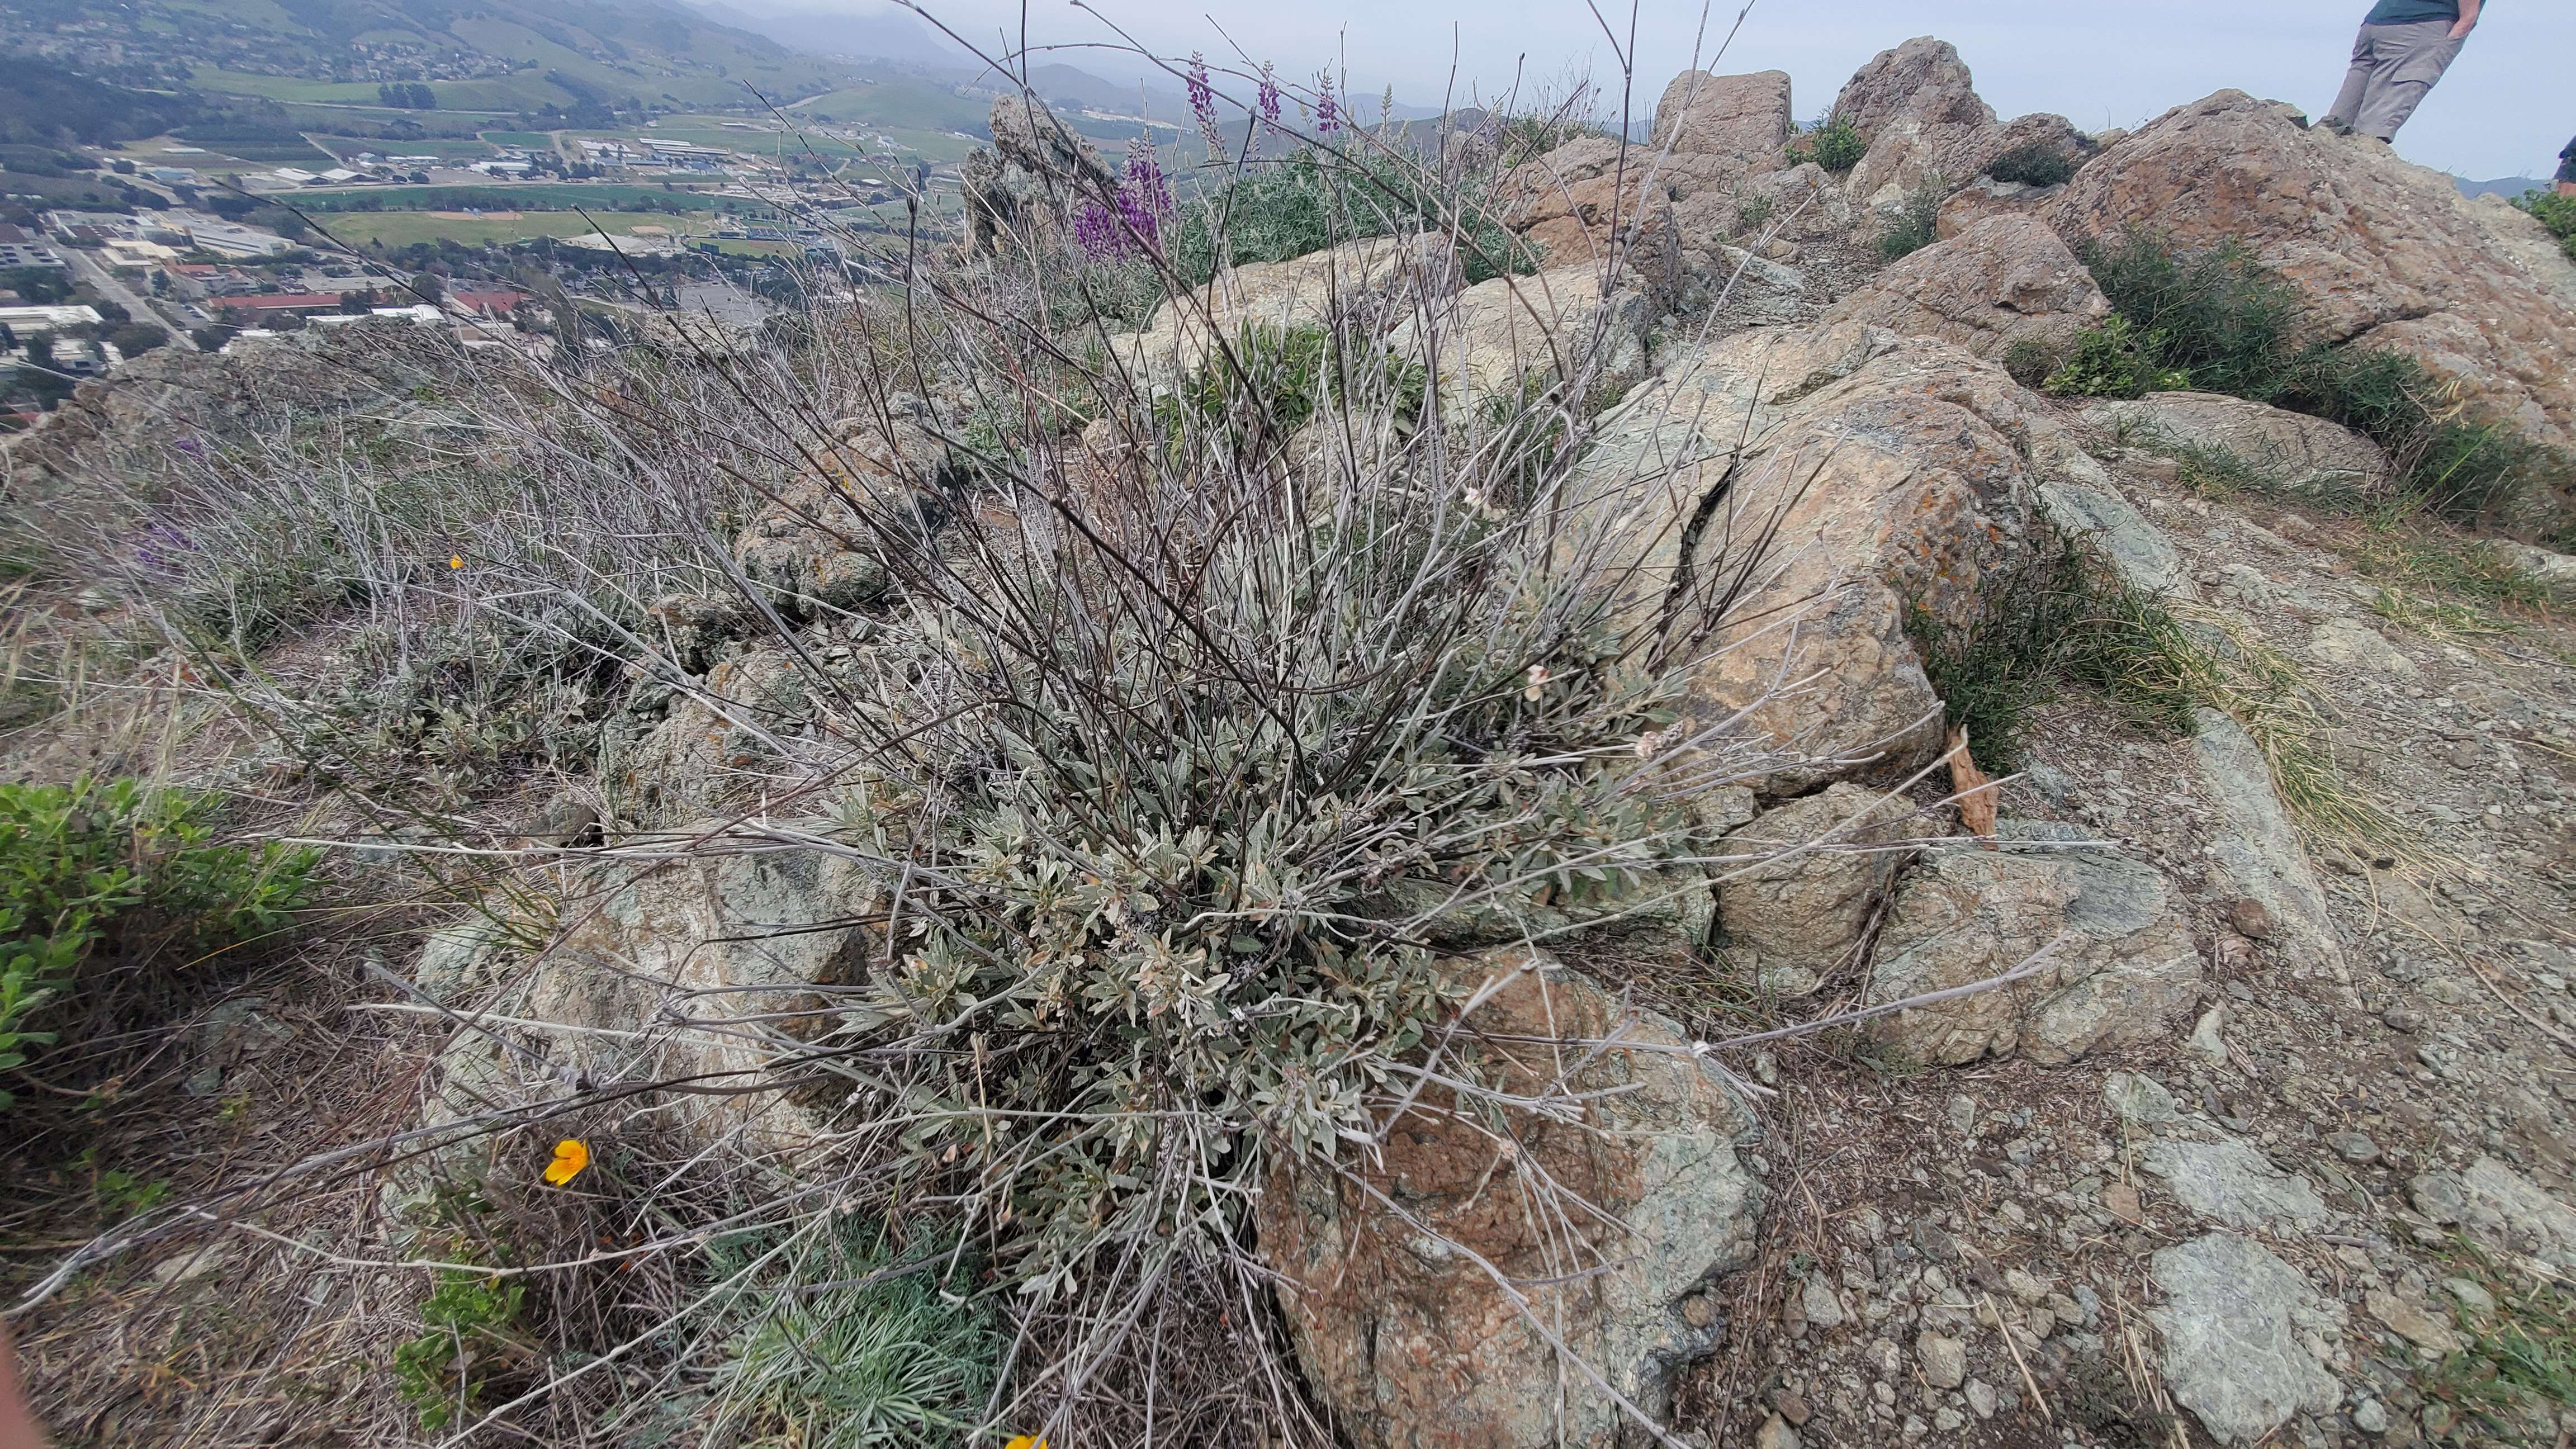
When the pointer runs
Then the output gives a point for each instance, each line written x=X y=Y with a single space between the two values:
x=23 y=320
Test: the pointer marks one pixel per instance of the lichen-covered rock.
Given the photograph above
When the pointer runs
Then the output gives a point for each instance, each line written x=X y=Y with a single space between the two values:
x=1835 y=476
x=653 y=948
x=1393 y=1271
x=2385 y=253
x=1497 y=334
x=2292 y=450
x=2004 y=280
x=2232 y=1320
x=811 y=550
x=1682 y=188
x=1791 y=919
x=2121 y=967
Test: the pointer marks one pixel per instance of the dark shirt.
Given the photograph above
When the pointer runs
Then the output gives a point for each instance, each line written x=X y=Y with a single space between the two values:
x=2412 y=12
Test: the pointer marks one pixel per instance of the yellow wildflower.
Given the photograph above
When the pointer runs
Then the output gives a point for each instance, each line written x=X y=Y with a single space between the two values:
x=1026 y=1441
x=456 y=560
x=571 y=1156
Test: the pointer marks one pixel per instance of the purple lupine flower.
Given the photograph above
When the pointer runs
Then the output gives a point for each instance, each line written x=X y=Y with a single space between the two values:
x=1097 y=232
x=1328 y=117
x=160 y=546
x=1269 y=97
x=190 y=447
x=1203 y=106
x=1143 y=178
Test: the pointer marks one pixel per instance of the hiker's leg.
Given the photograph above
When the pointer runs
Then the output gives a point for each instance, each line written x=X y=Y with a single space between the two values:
x=2356 y=83
x=2419 y=54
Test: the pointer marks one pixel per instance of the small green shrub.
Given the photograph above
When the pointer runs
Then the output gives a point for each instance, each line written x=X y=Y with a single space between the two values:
x=2029 y=361
x=1833 y=143
x=2034 y=164
x=1918 y=225
x=1285 y=376
x=2061 y=617
x=1279 y=211
x=2556 y=212
x=2116 y=359
x=850 y=1343
x=116 y=873
x=2219 y=315
x=468 y=1321
x=1753 y=212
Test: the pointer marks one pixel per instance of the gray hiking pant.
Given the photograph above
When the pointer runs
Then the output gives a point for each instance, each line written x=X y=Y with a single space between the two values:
x=2392 y=67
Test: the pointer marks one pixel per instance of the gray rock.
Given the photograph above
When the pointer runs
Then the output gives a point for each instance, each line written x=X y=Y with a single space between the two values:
x=2257 y=847
x=2120 y=965
x=1822 y=1306
x=2370 y=1417
x=1945 y=1360
x=2231 y=1321
x=2137 y=1098
x=1775 y=1434
x=2207 y=1039
x=1981 y=1398
x=2083 y=500
x=2291 y=450
x=2438 y=1196
x=2505 y=1206
x=2353 y=1147
x=2351 y=644
x=2232 y=1183
x=1806 y=912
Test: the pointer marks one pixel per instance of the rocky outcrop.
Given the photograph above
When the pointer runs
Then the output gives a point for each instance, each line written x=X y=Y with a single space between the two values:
x=2120 y=966
x=1711 y=132
x=1826 y=861
x=2292 y=451
x=1743 y=118
x=1832 y=478
x=2003 y=280
x=1424 y=1282
x=1918 y=108
x=2384 y=252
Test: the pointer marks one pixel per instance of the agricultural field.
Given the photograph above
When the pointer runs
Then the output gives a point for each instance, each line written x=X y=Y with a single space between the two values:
x=397 y=229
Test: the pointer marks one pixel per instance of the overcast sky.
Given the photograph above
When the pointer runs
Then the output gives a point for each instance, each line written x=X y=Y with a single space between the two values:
x=2506 y=108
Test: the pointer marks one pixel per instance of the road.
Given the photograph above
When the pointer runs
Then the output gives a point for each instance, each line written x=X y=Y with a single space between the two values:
x=104 y=283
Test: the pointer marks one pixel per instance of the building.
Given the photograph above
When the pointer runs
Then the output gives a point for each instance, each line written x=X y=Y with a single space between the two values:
x=225 y=238
x=135 y=254
x=170 y=175
x=295 y=176
x=23 y=320
x=487 y=304
x=263 y=307
x=16 y=254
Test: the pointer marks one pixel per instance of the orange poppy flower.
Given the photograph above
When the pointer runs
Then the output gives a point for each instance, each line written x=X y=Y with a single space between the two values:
x=571 y=1156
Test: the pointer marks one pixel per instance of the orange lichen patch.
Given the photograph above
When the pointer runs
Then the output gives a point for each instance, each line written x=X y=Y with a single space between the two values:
x=1975 y=788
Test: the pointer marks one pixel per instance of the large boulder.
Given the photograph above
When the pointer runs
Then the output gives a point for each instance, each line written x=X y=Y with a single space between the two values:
x=2003 y=280
x=1831 y=478
x=2120 y=968
x=1742 y=117
x=1358 y=287
x=1918 y=108
x=2292 y=451
x=2386 y=253
x=1424 y=1285
x=1683 y=190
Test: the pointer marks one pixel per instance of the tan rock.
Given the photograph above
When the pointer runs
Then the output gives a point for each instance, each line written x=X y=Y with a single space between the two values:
x=1357 y=284
x=2123 y=969
x=2003 y=280
x=1797 y=916
x=656 y=947
x=1865 y=471
x=2292 y=450
x=1918 y=108
x=1498 y=333
x=2386 y=253
x=1409 y=1337
x=1745 y=117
